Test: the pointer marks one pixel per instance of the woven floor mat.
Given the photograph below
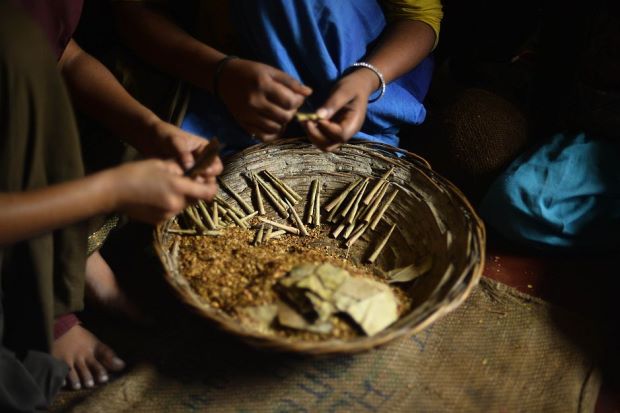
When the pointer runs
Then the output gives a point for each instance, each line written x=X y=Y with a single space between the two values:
x=499 y=351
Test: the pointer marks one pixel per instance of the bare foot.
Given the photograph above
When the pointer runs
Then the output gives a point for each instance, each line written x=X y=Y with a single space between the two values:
x=88 y=358
x=103 y=289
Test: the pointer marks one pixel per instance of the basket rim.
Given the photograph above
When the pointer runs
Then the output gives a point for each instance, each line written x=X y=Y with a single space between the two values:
x=337 y=346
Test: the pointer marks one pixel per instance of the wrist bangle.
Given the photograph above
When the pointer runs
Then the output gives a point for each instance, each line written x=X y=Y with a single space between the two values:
x=218 y=71
x=379 y=75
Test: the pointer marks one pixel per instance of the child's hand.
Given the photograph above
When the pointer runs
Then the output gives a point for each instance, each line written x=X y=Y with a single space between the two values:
x=343 y=114
x=166 y=141
x=261 y=98
x=155 y=190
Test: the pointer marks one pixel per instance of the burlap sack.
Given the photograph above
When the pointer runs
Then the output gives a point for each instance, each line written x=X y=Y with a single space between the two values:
x=500 y=351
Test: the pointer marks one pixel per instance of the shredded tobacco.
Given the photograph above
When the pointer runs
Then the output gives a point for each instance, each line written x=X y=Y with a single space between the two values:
x=231 y=274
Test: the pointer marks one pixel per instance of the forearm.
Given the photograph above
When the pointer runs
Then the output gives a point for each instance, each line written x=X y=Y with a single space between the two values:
x=403 y=45
x=96 y=92
x=27 y=214
x=165 y=45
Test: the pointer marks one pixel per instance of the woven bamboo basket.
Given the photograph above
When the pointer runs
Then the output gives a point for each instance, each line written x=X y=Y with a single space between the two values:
x=432 y=216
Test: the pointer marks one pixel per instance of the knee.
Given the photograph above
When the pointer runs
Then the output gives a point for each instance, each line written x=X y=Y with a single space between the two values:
x=484 y=131
x=472 y=138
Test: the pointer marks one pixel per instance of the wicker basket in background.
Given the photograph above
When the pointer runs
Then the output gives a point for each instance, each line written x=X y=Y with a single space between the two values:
x=432 y=217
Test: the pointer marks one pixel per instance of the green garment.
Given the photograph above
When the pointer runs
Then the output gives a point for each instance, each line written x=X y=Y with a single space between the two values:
x=42 y=277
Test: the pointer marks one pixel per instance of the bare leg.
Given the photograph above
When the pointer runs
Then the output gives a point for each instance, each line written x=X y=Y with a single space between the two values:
x=89 y=360
x=103 y=290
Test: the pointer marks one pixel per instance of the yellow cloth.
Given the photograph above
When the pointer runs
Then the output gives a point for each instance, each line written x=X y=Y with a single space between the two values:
x=427 y=11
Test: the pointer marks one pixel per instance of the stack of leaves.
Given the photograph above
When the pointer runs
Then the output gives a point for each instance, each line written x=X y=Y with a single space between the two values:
x=312 y=294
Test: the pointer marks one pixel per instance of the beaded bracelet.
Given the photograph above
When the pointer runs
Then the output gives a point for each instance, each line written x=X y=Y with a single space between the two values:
x=379 y=75
x=218 y=72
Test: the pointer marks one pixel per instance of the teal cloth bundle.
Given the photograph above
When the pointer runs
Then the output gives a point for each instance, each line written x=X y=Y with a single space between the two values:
x=565 y=195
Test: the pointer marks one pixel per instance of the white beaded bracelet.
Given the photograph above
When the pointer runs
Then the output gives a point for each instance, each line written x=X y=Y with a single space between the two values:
x=379 y=75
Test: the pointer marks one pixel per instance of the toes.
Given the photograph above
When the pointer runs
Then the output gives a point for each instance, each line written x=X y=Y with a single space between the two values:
x=108 y=358
x=73 y=379
x=85 y=374
x=97 y=370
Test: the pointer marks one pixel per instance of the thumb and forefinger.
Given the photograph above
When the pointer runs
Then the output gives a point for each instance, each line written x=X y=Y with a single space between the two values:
x=336 y=101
